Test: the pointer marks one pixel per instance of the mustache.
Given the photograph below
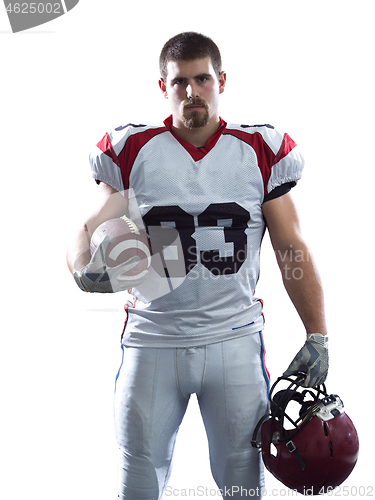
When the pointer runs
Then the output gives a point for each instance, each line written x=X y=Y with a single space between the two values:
x=195 y=102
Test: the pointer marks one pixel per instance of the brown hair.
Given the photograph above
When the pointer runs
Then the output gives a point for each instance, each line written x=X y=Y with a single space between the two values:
x=186 y=47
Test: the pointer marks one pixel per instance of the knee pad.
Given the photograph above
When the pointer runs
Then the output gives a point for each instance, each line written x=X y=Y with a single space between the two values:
x=243 y=475
x=137 y=478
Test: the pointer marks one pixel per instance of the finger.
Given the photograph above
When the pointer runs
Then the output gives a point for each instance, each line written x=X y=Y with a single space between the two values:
x=123 y=282
x=102 y=248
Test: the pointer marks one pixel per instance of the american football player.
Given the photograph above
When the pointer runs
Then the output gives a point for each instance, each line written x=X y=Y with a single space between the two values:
x=194 y=326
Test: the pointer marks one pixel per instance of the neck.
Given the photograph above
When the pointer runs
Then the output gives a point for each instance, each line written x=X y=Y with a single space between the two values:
x=196 y=136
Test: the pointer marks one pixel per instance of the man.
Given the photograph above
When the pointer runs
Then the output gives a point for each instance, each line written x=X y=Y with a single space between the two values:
x=204 y=191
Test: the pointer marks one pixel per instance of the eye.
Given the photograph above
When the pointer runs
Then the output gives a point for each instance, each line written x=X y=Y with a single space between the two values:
x=202 y=79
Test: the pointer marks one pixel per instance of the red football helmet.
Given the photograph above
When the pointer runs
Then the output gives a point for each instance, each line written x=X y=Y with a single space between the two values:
x=314 y=452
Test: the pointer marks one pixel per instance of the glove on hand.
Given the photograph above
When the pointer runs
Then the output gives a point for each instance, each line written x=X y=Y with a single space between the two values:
x=311 y=359
x=98 y=277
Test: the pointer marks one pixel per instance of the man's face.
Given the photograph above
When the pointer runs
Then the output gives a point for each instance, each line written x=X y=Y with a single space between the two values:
x=193 y=89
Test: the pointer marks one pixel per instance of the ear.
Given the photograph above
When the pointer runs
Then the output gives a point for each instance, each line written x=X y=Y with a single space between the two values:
x=222 y=81
x=163 y=87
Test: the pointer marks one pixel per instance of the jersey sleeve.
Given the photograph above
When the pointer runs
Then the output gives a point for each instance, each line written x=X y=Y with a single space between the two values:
x=287 y=166
x=279 y=191
x=105 y=164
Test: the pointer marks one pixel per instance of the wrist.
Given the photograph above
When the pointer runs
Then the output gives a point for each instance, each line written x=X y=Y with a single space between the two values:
x=80 y=282
x=318 y=338
x=317 y=331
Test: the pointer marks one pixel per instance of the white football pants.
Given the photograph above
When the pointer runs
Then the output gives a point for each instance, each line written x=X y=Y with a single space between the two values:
x=153 y=388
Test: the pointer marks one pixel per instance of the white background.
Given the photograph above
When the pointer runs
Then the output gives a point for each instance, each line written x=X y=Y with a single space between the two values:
x=306 y=67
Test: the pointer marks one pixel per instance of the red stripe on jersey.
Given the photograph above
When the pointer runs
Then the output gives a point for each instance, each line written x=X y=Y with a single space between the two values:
x=105 y=145
x=266 y=373
x=132 y=147
x=286 y=147
x=265 y=155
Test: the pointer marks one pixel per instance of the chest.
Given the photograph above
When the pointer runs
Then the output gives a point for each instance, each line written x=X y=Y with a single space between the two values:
x=165 y=174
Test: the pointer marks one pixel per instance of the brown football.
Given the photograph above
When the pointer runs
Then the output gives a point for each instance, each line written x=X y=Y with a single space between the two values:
x=126 y=241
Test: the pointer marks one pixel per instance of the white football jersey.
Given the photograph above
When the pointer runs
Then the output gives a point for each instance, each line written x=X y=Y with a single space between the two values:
x=202 y=210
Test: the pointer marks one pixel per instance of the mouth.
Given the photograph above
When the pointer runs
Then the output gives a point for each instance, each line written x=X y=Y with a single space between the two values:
x=195 y=107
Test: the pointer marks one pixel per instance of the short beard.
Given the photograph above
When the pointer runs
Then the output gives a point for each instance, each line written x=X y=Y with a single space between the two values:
x=196 y=119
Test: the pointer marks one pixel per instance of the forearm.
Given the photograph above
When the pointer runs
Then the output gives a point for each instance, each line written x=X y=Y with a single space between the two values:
x=111 y=204
x=78 y=253
x=302 y=282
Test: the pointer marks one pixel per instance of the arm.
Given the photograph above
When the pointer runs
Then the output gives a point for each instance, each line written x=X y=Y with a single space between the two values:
x=111 y=204
x=299 y=273
x=302 y=282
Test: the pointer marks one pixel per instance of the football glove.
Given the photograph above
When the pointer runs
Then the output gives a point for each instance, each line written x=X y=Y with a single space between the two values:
x=98 y=277
x=312 y=359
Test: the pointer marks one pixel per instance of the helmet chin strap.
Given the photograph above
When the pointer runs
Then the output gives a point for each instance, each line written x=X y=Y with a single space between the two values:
x=254 y=442
x=291 y=447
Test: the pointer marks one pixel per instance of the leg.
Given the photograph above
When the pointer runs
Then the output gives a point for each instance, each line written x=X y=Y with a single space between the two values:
x=148 y=412
x=233 y=398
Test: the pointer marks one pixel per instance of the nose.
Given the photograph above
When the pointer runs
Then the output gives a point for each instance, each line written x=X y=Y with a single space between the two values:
x=191 y=91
